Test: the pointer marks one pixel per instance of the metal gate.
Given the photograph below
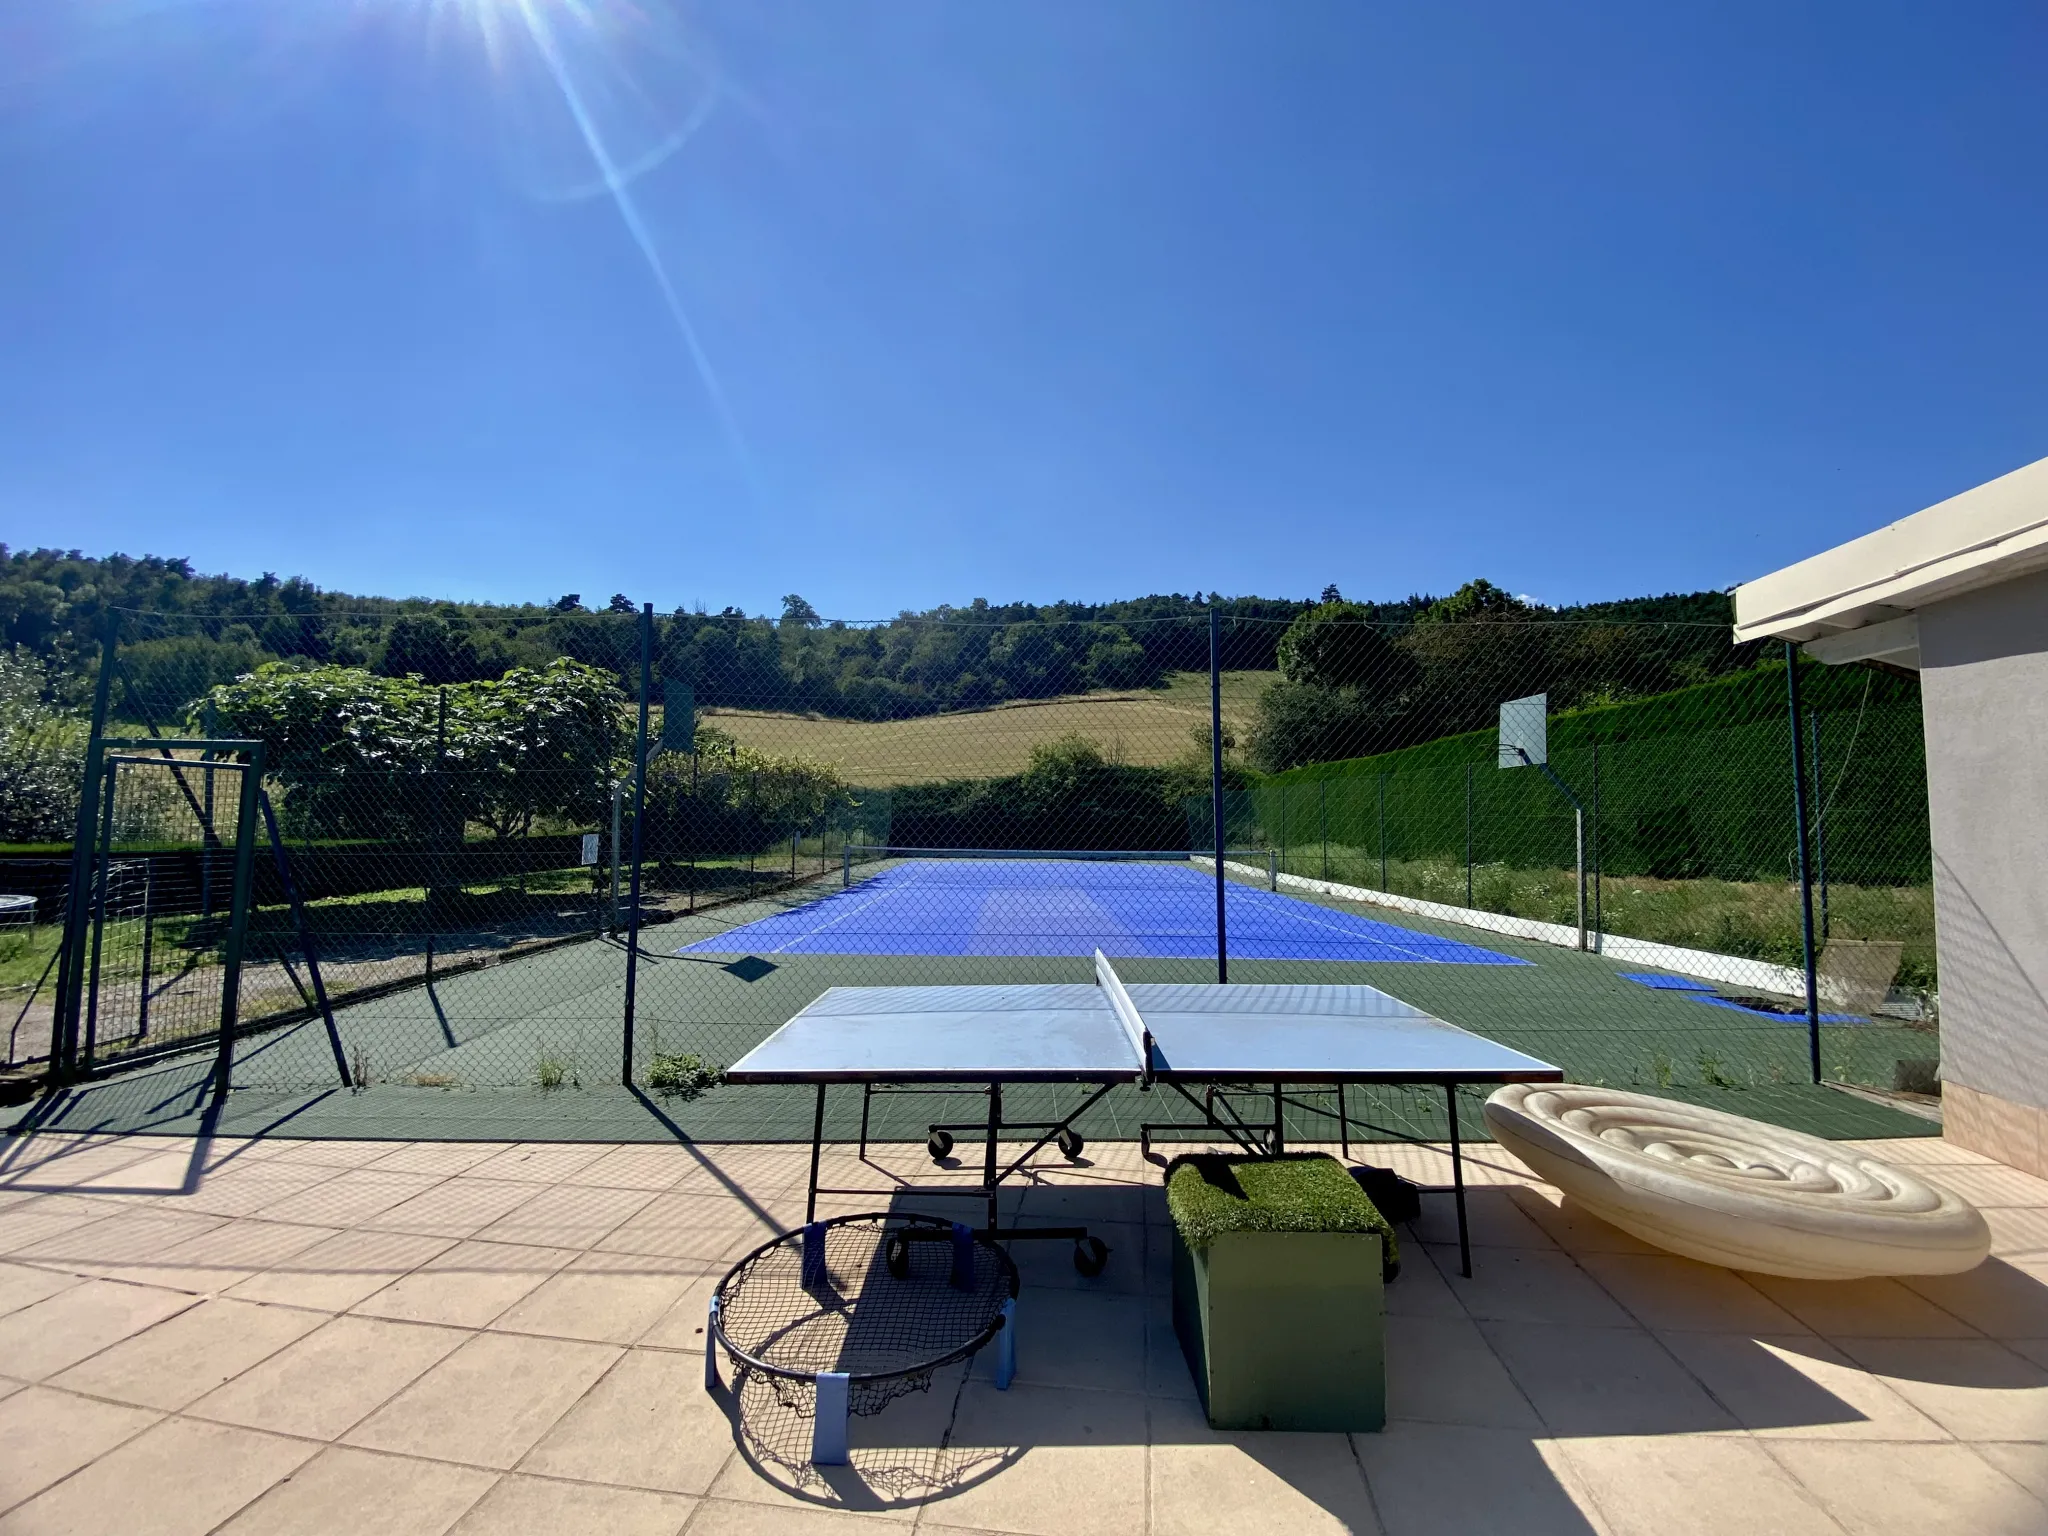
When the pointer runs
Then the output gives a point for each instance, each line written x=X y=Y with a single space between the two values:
x=159 y=902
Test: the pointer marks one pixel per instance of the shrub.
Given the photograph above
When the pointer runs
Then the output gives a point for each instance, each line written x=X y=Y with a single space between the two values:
x=685 y=1076
x=42 y=755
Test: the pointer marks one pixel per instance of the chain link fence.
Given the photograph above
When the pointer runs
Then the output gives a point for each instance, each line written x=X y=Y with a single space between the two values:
x=548 y=850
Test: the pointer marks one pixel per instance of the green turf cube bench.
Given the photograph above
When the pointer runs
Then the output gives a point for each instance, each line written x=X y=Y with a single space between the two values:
x=1278 y=1291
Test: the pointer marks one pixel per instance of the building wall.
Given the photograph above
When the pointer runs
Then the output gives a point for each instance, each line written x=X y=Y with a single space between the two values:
x=1984 y=679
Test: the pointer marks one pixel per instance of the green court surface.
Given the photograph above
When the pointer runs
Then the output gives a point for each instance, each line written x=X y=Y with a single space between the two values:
x=464 y=1059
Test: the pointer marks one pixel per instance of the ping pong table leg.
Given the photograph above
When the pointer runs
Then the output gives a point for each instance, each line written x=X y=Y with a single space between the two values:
x=1279 y=1122
x=817 y=1150
x=867 y=1097
x=1343 y=1124
x=988 y=1156
x=1458 y=1181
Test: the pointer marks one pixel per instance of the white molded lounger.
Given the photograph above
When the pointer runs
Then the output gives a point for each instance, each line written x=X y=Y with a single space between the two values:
x=1726 y=1190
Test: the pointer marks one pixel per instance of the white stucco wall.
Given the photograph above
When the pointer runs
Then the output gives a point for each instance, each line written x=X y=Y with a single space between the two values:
x=1984 y=677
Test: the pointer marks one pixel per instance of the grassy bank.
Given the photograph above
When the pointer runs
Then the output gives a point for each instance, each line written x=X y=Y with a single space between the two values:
x=1757 y=920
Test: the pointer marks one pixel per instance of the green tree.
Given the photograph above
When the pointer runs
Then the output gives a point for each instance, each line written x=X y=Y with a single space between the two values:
x=353 y=750
x=42 y=754
x=1337 y=645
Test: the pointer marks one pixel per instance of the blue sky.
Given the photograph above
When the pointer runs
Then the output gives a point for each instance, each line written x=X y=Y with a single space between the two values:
x=901 y=303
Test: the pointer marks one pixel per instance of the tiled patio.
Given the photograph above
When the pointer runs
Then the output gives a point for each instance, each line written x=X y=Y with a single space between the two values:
x=398 y=1340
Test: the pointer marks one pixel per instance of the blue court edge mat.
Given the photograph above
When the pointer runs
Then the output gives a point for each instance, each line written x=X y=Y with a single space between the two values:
x=1034 y=907
x=1665 y=983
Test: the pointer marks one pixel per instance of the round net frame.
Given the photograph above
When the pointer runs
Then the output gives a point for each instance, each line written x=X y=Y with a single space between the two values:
x=884 y=1308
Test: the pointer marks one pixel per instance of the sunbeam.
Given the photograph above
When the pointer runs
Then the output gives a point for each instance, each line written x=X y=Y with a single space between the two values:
x=617 y=181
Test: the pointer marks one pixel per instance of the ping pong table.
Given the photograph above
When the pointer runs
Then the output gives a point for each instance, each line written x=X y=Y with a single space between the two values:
x=1231 y=1041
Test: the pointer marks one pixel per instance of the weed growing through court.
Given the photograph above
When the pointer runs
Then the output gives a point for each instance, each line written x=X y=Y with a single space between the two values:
x=552 y=1072
x=682 y=1076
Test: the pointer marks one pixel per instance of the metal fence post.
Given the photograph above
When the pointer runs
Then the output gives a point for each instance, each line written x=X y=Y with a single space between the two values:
x=1468 y=835
x=639 y=841
x=1383 y=831
x=1323 y=815
x=1805 y=874
x=1820 y=823
x=78 y=904
x=1216 y=781
x=238 y=921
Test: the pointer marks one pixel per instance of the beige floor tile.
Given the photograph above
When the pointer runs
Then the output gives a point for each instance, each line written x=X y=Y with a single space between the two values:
x=489 y=1402
x=467 y=1286
x=1679 y=1485
x=755 y=1170
x=61 y=1330
x=2022 y=1462
x=898 y=1460
x=1446 y=1480
x=442 y=1157
x=1167 y=1371
x=539 y=1162
x=1049 y=1264
x=523 y=1506
x=1202 y=1480
x=724 y=1517
x=22 y=1285
x=1571 y=1226
x=1974 y=1388
x=222 y=1258
x=1875 y=1490
x=1604 y=1381
x=1441 y=1370
x=650 y=1168
x=1921 y=1150
x=29 y=1223
x=1800 y=1387
x=337 y=1154
x=48 y=1435
x=567 y=1215
x=1862 y=1309
x=241 y=1191
x=1494 y=1216
x=1518 y=1285
x=132 y=1236
x=2003 y=1301
x=336 y=1274
x=184 y=1357
x=1079 y=1461
x=1078 y=1339
x=364 y=1494
x=1421 y=1290
x=164 y=1172
x=332 y=1378
x=600 y=1299
x=698 y=1228
x=46 y=1161
x=455 y=1207
x=349 y=1198
x=682 y=1326
x=1665 y=1292
x=2018 y=1232
x=648 y=1423
x=1990 y=1186
x=180 y=1478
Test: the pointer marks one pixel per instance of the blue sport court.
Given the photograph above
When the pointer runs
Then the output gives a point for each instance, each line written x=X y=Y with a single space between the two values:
x=1156 y=909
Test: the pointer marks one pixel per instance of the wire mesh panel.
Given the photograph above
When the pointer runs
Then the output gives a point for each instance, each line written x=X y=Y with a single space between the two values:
x=544 y=848
x=160 y=931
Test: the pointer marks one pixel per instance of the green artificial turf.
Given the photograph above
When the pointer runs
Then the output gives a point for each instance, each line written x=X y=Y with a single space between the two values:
x=1211 y=1193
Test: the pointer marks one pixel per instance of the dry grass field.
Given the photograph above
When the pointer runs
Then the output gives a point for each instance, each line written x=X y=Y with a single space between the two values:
x=1148 y=726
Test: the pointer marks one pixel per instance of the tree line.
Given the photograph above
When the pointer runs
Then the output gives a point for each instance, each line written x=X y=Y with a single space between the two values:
x=184 y=632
